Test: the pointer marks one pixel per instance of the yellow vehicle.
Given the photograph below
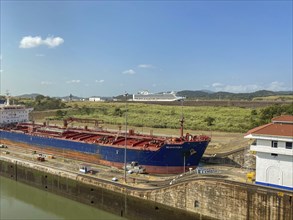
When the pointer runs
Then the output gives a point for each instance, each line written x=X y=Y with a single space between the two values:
x=250 y=177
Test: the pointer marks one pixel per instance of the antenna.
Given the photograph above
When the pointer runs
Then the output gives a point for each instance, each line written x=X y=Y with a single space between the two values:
x=181 y=120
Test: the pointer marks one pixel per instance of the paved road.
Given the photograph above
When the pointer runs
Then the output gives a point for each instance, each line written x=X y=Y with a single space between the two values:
x=134 y=181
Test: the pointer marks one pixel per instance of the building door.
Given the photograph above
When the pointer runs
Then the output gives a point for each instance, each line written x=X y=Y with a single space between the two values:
x=274 y=175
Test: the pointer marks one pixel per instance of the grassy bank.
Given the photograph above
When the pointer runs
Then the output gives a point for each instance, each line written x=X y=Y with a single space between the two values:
x=229 y=119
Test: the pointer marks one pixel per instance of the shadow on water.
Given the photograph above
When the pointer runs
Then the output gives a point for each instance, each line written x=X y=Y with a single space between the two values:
x=20 y=201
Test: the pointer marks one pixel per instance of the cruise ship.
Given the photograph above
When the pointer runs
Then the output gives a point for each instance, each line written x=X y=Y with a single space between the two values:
x=145 y=96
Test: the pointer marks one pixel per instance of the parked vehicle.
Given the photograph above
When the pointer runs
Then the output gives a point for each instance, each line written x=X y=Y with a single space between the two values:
x=3 y=146
x=134 y=167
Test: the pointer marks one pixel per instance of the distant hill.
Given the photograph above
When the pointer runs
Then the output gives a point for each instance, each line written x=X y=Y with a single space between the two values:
x=192 y=95
x=231 y=96
x=34 y=95
x=29 y=96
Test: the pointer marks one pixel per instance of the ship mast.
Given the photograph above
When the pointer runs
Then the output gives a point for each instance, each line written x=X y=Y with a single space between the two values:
x=7 y=98
x=181 y=120
x=125 y=143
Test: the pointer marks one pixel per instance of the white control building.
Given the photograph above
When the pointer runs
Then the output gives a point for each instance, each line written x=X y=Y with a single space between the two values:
x=274 y=153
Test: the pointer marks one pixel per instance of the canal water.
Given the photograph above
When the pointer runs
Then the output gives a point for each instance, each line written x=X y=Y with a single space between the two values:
x=23 y=202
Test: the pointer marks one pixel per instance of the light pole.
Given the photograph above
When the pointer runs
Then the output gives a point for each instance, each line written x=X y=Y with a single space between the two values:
x=181 y=132
x=125 y=144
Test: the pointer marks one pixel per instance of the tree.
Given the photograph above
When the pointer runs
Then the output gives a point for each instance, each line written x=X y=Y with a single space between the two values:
x=39 y=99
x=118 y=112
x=209 y=120
x=85 y=110
x=265 y=115
x=270 y=112
x=60 y=113
x=45 y=102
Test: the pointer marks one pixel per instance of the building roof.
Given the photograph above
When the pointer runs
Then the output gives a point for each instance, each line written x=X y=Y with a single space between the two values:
x=281 y=126
x=283 y=118
x=282 y=130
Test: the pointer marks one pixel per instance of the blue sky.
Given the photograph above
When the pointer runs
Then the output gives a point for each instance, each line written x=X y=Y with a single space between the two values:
x=104 y=48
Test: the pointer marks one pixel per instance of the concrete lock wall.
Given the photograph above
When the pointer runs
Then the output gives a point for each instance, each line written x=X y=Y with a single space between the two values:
x=228 y=200
x=102 y=195
x=198 y=199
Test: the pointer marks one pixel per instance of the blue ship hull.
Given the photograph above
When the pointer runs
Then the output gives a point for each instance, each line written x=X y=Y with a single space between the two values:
x=169 y=158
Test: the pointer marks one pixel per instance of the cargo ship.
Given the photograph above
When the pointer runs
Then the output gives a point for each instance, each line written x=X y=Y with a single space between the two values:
x=157 y=154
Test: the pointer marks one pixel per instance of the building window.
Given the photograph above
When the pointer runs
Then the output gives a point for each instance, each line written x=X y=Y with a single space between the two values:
x=274 y=144
x=288 y=145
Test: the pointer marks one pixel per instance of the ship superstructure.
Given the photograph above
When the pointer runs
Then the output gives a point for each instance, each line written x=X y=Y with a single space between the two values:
x=13 y=114
x=145 y=96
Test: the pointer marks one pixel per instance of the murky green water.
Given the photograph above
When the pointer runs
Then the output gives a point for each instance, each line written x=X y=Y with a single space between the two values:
x=20 y=201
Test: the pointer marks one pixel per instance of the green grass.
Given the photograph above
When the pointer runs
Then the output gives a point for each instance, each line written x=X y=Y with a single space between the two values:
x=230 y=119
x=274 y=98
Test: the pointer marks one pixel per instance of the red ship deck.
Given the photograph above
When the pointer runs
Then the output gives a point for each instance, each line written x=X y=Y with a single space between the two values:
x=119 y=139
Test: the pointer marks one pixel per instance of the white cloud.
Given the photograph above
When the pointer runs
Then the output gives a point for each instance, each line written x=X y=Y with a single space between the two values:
x=100 y=81
x=217 y=84
x=130 y=72
x=145 y=66
x=273 y=86
x=236 y=88
x=1 y=71
x=30 y=42
x=242 y=88
x=73 y=81
x=46 y=83
x=53 y=41
x=276 y=86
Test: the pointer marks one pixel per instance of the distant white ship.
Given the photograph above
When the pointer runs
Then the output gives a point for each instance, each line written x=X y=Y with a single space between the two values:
x=144 y=96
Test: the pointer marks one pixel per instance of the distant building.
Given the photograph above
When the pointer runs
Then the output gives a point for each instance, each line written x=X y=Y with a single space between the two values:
x=72 y=98
x=96 y=99
x=162 y=97
x=274 y=153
